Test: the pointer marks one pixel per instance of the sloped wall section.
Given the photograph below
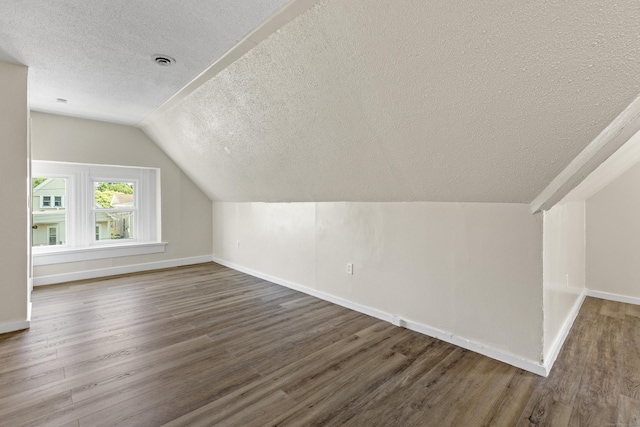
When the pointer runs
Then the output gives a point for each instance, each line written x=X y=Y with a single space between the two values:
x=613 y=239
x=407 y=101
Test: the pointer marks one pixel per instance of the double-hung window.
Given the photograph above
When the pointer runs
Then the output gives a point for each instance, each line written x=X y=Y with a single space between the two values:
x=83 y=211
x=49 y=219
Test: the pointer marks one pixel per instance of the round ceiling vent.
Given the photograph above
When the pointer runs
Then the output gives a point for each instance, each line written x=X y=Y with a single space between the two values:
x=163 y=60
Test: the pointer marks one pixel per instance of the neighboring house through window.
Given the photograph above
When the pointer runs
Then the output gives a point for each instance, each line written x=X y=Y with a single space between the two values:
x=49 y=214
x=83 y=211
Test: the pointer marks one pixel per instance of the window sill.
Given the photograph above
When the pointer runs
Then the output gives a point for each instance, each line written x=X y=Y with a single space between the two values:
x=64 y=255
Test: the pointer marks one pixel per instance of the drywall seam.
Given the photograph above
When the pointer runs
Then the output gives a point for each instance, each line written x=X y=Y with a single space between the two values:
x=12 y=327
x=619 y=131
x=614 y=297
x=113 y=271
x=564 y=332
x=519 y=362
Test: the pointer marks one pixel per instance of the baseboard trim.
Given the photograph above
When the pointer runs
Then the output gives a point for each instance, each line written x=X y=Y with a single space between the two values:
x=511 y=359
x=613 y=297
x=114 y=271
x=16 y=326
x=564 y=333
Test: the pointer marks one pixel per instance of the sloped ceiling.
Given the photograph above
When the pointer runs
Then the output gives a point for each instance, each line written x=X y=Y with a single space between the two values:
x=405 y=100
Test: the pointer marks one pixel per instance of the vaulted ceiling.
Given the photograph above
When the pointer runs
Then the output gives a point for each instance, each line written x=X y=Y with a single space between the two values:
x=382 y=100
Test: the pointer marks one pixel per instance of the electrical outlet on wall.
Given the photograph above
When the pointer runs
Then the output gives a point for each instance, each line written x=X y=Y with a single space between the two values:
x=350 y=268
x=238 y=244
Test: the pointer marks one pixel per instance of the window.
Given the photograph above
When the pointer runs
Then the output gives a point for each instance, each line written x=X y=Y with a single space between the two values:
x=52 y=232
x=82 y=212
x=114 y=209
x=48 y=194
x=50 y=201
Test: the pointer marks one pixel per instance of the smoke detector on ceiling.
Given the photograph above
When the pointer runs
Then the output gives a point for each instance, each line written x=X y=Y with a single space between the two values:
x=163 y=60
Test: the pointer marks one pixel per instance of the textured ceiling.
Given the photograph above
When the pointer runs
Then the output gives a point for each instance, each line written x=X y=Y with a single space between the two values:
x=361 y=100
x=407 y=100
x=97 y=54
x=404 y=100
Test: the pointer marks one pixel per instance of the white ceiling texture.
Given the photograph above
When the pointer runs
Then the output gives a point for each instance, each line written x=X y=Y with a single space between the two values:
x=97 y=54
x=360 y=100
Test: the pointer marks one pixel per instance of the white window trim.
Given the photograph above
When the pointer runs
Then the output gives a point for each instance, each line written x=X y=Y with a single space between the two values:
x=65 y=254
x=81 y=244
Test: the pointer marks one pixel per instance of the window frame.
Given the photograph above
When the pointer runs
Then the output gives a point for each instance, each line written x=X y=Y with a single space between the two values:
x=134 y=210
x=81 y=243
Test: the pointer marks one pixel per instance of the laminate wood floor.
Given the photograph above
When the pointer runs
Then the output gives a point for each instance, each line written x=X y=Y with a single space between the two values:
x=205 y=345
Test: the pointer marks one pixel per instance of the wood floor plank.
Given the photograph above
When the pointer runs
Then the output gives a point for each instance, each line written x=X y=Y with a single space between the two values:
x=544 y=410
x=586 y=414
x=206 y=345
x=632 y=310
x=228 y=376
x=612 y=309
x=391 y=400
x=628 y=412
x=338 y=402
x=95 y=384
x=136 y=396
x=507 y=410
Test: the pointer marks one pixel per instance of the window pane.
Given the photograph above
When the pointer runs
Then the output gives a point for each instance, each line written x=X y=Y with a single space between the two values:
x=114 y=225
x=49 y=219
x=109 y=195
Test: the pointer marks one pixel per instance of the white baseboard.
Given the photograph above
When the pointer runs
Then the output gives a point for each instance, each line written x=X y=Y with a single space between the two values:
x=17 y=326
x=564 y=333
x=613 y=297
x=114 y=271
x=511 y=359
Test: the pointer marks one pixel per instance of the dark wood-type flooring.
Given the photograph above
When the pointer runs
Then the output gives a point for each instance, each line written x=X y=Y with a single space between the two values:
x=205 y=345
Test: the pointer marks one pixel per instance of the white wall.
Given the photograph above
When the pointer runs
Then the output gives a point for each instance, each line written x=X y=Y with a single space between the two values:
x=564 y=272
x=186 y=211
x=613 y=238
x=14 y=250
x=473 y=271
